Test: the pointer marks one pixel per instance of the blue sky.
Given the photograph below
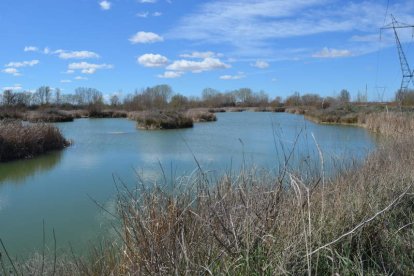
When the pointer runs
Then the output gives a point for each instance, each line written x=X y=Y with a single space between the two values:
x=279 y=46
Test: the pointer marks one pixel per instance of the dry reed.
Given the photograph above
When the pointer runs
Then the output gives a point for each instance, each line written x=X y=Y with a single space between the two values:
x=256 y=222
x=19 y=140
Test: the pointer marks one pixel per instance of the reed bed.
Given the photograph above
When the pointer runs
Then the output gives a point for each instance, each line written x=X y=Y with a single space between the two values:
x=151 y=120
x=19 y=140
x=200 y=116
x=108 y=113
x=255 y=223
x=48 y=116
x=390 y=123
x=259 y=222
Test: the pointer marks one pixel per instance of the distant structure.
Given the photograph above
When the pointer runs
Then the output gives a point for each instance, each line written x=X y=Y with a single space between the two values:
x=407 y=74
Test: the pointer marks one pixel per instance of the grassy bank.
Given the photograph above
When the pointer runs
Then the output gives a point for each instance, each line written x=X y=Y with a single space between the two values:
x=19 y=141
x=359 y=221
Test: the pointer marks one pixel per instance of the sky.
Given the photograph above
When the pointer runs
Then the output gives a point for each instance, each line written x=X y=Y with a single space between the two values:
x=278 y=46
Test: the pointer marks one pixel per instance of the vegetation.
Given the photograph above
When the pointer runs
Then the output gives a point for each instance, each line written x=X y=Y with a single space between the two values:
x=163 y=120
x=201 y=115
x=48 y=115
x=359 y=221
x=18 y=140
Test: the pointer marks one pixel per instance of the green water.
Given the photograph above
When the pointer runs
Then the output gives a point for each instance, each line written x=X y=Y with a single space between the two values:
x=57 y=188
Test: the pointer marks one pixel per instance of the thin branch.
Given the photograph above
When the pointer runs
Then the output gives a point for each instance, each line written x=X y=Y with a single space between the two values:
x=394 y=202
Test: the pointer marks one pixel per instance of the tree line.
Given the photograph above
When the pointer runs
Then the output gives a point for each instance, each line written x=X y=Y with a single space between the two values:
x=163 y=97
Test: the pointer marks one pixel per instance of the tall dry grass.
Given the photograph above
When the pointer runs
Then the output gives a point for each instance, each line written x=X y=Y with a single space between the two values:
x=150 y=120
x=19 y=140
x=256 y=222
x=390 y=123
x=200 y=115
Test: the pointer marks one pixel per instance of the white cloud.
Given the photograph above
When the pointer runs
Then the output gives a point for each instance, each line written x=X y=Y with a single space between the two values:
x=152 y=60
x=88 y=68
x=202 y=55
x=63 y=54
x=105 y=5
x=147 y=14
x=148 y=1
x=239 y=76
x=261 y=64
x=15 y=87
x=170 y=75
x=46 y=50
x=31 y=49
x=11 y=71
x=142 y=14
x=145 y=37
x=80 y=78
x=22 y=63
x=206 y=64
x=69 y=71
x=332 y=53
x=65 y=81
x=259 y=26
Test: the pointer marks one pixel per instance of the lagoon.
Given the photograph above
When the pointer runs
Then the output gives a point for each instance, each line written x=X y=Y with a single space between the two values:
x=57 y=187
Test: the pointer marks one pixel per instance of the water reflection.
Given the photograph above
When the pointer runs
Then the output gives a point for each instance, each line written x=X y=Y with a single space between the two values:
x=19 y=171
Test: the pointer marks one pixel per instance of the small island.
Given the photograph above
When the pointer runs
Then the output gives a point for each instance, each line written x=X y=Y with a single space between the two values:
x=20 y=140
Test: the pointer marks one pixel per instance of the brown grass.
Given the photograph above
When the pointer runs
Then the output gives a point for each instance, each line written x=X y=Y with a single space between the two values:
x=200 y=115
x=48 y=116
x=162 y=120
x=256 y=222
x=19 y=140
x=390 y=123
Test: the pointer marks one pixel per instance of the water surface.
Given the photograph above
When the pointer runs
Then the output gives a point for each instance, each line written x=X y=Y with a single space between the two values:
x=57 y=187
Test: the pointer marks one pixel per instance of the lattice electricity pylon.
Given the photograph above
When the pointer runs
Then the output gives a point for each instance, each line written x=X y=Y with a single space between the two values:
x=407 y=74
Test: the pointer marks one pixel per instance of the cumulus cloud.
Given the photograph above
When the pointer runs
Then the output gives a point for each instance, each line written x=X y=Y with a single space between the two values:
x=65 y=81
x=152 y=60
x=88 y=68
x=22 y=63
x=156 y=14
x=206 y=64
x=11 y=71
x=31 y=49
x=239 y=76
x=208 y=54
x=261 y=64
x=145 y=37
x=105 y=5
x=148 y=1
x=170 y=75
x=332 y=53
x=63 y=54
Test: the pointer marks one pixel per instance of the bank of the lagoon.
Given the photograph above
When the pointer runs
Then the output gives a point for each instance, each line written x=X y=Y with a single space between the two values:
x=58 y=187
